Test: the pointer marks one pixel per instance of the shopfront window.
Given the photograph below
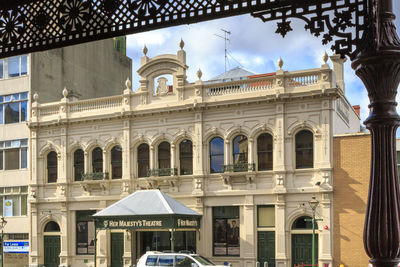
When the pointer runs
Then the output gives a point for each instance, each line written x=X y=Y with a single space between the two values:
x=85 y=232
x=161 y=241
x=226 y=237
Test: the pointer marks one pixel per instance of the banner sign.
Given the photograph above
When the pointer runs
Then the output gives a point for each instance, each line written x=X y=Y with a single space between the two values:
x=16 y=247
x=148 y=223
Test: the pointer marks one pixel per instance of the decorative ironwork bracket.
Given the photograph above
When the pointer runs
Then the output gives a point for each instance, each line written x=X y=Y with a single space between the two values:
x=344 y=22
x=34 y=25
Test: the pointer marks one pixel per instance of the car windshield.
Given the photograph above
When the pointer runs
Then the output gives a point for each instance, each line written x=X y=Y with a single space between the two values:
x=204 y=261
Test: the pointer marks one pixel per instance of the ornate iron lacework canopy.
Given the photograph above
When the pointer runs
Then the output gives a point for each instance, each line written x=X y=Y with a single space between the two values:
x=28 y=26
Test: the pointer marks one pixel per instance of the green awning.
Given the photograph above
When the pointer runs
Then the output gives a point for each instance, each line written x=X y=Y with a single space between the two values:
x=147 y=209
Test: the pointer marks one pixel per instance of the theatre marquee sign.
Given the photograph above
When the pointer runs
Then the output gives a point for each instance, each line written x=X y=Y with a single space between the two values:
x=148 y=223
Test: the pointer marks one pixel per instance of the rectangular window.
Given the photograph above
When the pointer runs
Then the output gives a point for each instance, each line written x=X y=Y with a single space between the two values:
x=226 y=234
x=1 y=68
x=85 y=232
x=266 y=216
x=14 y=154
x=14 y=108
x=14 y=201
x=13 y=66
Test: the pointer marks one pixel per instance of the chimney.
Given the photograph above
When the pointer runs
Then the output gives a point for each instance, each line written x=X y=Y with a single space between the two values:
x=357 y=109
x=338 y=69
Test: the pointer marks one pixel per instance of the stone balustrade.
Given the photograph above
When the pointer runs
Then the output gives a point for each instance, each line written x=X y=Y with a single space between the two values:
x=272 y=85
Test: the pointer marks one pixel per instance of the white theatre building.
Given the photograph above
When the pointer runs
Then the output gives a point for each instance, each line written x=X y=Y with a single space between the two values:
x=245 y=150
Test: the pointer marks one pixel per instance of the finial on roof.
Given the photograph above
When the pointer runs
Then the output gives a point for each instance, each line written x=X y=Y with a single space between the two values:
x=145 y=50
x=128 y=83
x=35 y=96
x=199 y=74
x=325 y=57
x=65 y=92
x=280 y=63
x=181 y=44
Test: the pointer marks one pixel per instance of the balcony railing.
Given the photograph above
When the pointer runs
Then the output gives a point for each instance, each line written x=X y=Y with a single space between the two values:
x=239 y=167
x=95 y=176
x=163 y=172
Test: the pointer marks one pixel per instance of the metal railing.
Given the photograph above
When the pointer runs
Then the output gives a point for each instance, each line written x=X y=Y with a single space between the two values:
x=163 y=172
x=95 y=176
x=239 y=167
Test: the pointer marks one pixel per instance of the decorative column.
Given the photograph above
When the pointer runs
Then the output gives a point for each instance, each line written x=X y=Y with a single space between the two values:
x=152 y=163
x=173 y=159
x=250 y=151
x=378 y=66
x=280 y=235
x=227 y=154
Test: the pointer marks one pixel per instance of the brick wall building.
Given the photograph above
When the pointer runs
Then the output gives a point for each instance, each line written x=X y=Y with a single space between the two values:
x=351 y=160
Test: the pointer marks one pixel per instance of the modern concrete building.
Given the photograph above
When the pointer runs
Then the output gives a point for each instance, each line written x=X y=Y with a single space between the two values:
x=246 y=151
x=97 y=68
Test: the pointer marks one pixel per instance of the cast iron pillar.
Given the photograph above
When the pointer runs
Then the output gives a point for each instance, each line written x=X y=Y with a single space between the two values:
x=378 y=66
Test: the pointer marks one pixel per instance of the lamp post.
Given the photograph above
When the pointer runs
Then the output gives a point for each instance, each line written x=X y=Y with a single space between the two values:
x=313 y=204
x=3 y=223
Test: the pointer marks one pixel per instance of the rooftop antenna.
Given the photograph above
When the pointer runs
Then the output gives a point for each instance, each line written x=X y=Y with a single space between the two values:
x=226 y=39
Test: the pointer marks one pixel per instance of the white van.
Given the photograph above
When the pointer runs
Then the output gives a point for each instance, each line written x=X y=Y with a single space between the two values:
x=152 y=258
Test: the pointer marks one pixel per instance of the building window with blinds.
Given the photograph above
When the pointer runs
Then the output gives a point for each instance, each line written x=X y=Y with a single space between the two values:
x=14 y=154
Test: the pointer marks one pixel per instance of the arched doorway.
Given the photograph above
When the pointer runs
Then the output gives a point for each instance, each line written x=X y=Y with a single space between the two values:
x=51 y=244
x=302 y=241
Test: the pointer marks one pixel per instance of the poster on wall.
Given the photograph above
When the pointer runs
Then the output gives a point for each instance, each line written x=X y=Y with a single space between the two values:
x=8 y=208
x=220 y=237
x=233 y=234
x=82 y=237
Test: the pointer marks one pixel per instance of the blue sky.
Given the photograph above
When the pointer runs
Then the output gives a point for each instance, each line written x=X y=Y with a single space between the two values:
x=252 y=43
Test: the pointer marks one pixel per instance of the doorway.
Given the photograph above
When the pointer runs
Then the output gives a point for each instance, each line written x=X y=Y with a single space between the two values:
x=52 y=245
x=302 y=242
x=266 y=248
x=117 y=249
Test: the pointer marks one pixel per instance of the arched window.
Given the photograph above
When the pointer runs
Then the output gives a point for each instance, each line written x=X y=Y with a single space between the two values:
x=79 y=164
x=52 y=227
x=216 y=155
x=240 y=148
x=143 y=159
x=97 y=160
x=302 y=223
x=186 y=157
x=116 y=162
x=304 y=150
x=52 y=167
x=164 y=156
x=264 y=152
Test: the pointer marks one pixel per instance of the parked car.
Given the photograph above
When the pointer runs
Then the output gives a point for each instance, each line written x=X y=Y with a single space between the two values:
x=153 y=258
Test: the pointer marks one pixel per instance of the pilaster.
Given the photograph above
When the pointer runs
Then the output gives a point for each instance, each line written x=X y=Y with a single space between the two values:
x=280 y=226
x=198 y=168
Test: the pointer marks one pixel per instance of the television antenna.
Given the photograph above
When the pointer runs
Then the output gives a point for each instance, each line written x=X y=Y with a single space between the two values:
x=226 y=39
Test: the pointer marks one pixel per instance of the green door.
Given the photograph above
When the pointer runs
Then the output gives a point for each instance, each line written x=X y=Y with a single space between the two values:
x=52 y=251
x=266 y=248
x=117 y=249
x=302 y=247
